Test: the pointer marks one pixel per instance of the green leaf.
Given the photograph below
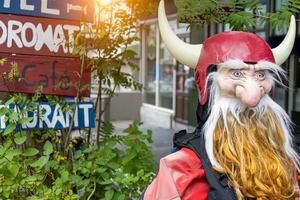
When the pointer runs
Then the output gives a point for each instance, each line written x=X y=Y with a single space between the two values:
x=109 y=195
x=30 y=151
x=11 y=153
x=64 y=176
x=25 y=120
x=3 y=110
x=40 y=162
x=13 y=117
x=34 y=178
x=10 y=101
x=78 y=154
x=13 y=169
x=129 y=157
x=7 y=143
x=9 y=129
x=48 y=148
x=122 y=197
x=2 y=151
x=129 y=53
x=20 y=138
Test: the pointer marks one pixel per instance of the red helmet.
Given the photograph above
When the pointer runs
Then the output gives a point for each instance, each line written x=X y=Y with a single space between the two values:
x=234 y=45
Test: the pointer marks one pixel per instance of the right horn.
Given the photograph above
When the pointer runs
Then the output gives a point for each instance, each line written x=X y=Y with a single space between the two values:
x=282 y=51
x=185 y=53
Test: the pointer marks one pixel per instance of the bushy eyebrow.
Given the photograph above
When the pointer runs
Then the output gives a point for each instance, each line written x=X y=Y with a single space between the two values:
x=279 y=74
x=260 y=65
x=233 y=64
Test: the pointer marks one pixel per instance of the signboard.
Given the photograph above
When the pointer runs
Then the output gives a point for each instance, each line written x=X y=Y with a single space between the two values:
x=59 y=76
x=49 y=116
x=80 y=10
x=37 y=36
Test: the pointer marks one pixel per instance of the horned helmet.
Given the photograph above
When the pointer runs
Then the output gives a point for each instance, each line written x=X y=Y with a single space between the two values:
x=219 y=48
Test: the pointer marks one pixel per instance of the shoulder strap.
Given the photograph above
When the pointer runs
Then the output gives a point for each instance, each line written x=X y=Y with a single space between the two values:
x=218 y=182
x=198 y=146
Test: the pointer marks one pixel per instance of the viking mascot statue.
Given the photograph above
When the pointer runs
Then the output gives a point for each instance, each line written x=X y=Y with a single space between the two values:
x=244 y=148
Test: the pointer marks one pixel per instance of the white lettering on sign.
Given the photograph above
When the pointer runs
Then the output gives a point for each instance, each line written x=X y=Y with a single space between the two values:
x=4 y=32
x=33 y=123
x=69 y=116
x=14 y=28
x=44 y=37
x=71 y=31
x=86 y=108
x=76 y=8
x=58 y=116
x=54 y=38
x=6 y=4
x=45 y=9
x=59 y=39
x=25 y=6
x=2 y=119
x=28 y=43
x=48 y=117
x=76 y=117
x=45 y=111
x=63 y=9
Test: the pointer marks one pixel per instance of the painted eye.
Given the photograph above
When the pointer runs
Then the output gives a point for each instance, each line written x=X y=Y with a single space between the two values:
x=260 y=75
x=237 y=74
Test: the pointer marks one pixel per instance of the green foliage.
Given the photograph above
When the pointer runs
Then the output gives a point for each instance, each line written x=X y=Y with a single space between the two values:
x=48 y=164
x=243 y=15
x=110 y=39
x=33 y=164
x=106 y=48
x=120 y=172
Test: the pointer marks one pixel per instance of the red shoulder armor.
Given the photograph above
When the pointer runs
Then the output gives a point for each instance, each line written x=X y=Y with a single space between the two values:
x=181 y=174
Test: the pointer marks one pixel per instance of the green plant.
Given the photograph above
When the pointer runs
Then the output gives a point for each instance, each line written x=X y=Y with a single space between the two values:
x=35 y=165
x=243 y=15
x=120 y=172
x=105 y=47
x=49 y=164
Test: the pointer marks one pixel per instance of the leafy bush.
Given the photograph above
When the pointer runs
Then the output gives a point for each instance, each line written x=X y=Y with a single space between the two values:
x=35 y=165
x=244 y=15
x=48 y=164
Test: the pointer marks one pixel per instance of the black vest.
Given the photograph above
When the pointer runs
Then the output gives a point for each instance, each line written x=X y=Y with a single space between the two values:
x=219 y=189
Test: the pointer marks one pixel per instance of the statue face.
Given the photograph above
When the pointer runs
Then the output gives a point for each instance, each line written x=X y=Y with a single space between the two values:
x=246 y=82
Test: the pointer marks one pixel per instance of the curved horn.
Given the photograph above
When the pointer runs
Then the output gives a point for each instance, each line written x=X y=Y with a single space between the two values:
x=282 y=51
x=185 y=53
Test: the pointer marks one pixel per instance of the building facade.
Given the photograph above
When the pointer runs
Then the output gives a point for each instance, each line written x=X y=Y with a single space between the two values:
x=169 y=94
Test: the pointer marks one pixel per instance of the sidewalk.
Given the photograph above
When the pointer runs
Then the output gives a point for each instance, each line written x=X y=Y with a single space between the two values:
x=162 y=137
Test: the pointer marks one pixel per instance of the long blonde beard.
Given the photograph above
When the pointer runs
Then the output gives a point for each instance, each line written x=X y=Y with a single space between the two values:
x=252 y=153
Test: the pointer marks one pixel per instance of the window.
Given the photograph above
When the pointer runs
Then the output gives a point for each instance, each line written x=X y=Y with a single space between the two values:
x=166 y=67
x=150 y=68
x=160 y=67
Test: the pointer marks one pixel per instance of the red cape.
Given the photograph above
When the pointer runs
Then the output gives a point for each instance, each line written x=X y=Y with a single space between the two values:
x=182 y=175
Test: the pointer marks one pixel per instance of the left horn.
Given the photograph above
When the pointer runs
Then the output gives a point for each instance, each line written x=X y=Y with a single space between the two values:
x=282 y=51
x=185 y=53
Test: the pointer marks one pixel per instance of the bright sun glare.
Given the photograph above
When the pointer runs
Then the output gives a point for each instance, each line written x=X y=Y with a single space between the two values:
x=104 y=2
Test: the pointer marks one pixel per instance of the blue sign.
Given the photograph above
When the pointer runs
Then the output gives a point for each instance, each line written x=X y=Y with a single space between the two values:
x=79 y=10
x=47 y=116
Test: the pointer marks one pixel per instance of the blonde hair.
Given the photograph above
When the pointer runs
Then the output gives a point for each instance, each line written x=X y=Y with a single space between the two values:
x=254 y=158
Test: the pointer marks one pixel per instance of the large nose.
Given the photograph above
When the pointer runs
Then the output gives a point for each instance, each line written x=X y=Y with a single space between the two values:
x=250 y=92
